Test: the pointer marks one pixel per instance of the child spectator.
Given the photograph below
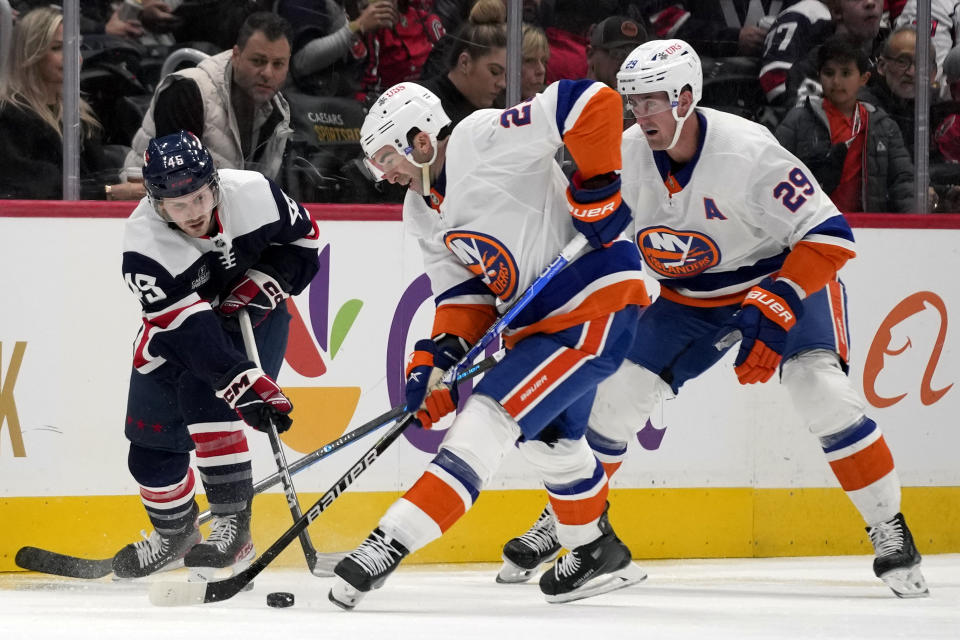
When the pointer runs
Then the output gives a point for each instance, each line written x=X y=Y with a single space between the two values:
x=854 y=150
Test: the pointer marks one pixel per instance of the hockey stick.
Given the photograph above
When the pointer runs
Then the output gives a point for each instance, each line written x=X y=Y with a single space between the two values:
x=183 y=593
x=53 y=563
x=309 y=551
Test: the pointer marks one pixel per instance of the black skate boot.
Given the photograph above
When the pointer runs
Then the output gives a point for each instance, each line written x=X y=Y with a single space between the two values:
x=229 y=545
x=597 y=567
x=898 y=561
x=365 y=568
x=524 y=554
x=156 y=552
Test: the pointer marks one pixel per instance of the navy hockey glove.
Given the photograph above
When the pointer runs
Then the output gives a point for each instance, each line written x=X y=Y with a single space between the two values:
x=257 y=398
x=768 y=312
x=257 y=292
x=426 y=394
x=598 y=211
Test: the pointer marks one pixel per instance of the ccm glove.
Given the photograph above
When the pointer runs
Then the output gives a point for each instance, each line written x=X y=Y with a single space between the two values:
x=598 y=211
x=258 y=292
x=257 y=399
x=768 y=312
x=428 y=397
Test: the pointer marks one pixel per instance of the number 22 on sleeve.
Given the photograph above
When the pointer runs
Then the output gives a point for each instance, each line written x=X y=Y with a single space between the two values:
x=787 y=191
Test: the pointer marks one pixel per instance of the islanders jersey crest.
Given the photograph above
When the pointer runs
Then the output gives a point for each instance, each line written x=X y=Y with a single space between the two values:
x=677 y=254
x=487 y=257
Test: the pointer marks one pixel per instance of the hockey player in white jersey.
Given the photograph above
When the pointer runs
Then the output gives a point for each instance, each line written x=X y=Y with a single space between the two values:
x=203 y=245
x=746 y=248
x=497 y=211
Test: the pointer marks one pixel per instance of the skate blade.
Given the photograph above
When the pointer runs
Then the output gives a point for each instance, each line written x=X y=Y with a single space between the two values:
x=344 y=595
x=510 y=573
x=907 y=582
x=629 y=575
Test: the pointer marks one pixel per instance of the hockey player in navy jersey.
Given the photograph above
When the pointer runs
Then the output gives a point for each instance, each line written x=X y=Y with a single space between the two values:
x=203 y=245
x=497 y=211
x=746 y=248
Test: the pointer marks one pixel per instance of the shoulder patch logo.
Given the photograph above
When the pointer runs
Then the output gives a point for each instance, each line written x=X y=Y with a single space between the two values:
x=488 y=258
x=676 y=253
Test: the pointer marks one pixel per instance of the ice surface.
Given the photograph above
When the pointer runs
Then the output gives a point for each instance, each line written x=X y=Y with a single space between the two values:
x=731 y=599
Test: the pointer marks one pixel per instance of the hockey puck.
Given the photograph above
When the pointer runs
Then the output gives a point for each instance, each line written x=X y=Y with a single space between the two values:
x=281 y=599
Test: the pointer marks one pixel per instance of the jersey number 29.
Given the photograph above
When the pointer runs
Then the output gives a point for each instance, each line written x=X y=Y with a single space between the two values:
x=786 y=191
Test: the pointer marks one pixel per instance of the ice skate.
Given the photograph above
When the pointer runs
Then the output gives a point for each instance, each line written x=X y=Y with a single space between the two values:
x=155 y=552
x=898 y=561
x=229 y=545
x=365 y=568
x=524 y=554
x=597 y=567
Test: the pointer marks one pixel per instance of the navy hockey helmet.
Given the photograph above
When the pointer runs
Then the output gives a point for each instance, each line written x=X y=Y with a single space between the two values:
x=176 y=165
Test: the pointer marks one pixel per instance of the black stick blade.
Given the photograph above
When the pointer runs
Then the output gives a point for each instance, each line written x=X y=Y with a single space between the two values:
x=58 y=564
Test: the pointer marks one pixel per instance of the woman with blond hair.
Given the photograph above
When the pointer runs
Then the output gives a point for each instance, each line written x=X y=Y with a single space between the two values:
x=31 y=120
x=536 y=55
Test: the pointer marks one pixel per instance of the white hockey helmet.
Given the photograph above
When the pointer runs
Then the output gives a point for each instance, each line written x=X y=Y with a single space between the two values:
x=400 y=109
x=663 y=65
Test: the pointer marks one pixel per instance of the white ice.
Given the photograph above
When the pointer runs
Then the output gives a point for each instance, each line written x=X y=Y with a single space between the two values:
x=730 y=599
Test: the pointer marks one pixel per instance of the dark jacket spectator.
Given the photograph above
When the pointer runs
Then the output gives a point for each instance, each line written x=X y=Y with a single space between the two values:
x=31 y=120
x=887 y=171
x=475 y=64
x=715 y=29
x=328 y=47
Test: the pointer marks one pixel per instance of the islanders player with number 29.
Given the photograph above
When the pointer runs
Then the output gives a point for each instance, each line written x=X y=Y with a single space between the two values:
x=491 y=208
x=746 y=248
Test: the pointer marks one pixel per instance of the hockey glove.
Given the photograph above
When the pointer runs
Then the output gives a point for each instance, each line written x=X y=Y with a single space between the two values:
x=768 y=312
x=426 y=394
x=258 y=292
x=257 y=399
x=598 y=211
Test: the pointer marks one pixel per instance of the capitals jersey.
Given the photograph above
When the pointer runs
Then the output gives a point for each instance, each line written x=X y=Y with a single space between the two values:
x=179 y=279
x=730 y=216
x=944 y=24
x=503 y=217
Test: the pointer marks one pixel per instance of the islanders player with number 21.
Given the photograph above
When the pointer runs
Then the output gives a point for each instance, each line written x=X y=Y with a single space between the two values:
x=491 y=208
x=746 y=248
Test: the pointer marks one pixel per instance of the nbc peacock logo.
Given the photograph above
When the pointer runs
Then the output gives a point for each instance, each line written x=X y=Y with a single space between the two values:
x=321 y=413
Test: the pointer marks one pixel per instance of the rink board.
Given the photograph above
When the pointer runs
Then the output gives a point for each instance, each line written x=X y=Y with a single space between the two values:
x=723 y=470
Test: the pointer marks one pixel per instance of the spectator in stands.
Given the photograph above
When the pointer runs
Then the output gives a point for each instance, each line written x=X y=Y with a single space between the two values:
x=715 y=28
x=476 y=64
x=31 y=120
x=854 y=149
x=536 y=55
x=944 y=21
x=611 y=40
x=231 y=101
x=788 y=69
x=328 y=47
x=213 y=21
x=398 y=52
x=567 y=24
x=894 y=88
